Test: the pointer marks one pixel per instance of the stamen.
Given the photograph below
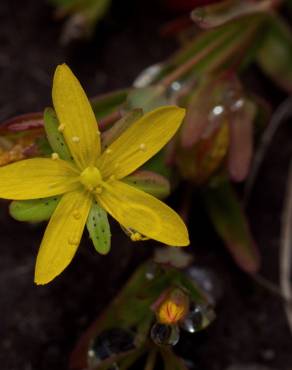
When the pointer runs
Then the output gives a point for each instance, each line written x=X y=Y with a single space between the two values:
x=61 y=127
x=135 y=237
x=76 y=139
x=55 y=156
x=98 y=190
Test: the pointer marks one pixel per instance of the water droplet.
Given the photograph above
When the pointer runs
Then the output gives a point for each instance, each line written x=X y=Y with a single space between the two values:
x=217 y=110
x=165 y=335
x=152 y=271
x=146 y=77
x=109 y=343
x=73 y=241
x=76 y=215
x=76 y=139
x=208 y=281
x=176 y=86
x=142 y=147
x=198 y=318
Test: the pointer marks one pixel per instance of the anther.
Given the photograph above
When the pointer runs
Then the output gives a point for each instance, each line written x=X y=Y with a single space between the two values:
x=61 y=127
x=98 y=190
x=75 y=139
x=55 y=156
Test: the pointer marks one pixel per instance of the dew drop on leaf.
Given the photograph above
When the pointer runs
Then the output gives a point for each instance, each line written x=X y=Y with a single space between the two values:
x=109 y=343
x=198 y=318
x=165 y=335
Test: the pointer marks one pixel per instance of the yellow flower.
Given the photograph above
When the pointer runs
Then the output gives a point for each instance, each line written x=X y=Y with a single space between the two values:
x=93 y=176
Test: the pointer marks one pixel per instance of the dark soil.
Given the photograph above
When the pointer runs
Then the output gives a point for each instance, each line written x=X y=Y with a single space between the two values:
x=40 y=325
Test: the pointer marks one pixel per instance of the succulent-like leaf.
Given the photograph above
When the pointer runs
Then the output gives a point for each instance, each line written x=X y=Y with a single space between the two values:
x=216 y=48
x=230 y=223
x=275 y=53
x=147 y=98
x=35 y=210
x=201 y=161
x=119 y=127
x=103 y=105
x=241 y=141
x=150 y=182
x=54 y=135
x=99 y=229
x=216 y=14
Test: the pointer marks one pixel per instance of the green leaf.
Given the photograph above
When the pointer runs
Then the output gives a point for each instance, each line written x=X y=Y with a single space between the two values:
x=157 y=164
x=275 y=53
x=99 y=229
x=216 y=14
x=54 y=136
x=230 y=223
x=35 y=210
x=106 y=104
x=150 y=182
x=119 y=127
x=217 y=48
x=147 y=98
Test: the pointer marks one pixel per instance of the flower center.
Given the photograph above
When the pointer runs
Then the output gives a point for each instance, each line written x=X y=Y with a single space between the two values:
x=91 y=179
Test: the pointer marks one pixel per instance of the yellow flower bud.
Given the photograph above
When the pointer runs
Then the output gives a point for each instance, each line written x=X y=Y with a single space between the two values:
x=173 y=308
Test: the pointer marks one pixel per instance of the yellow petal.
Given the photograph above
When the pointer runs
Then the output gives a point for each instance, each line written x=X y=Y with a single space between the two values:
x=37 y=178
x=75 y=114
x=140 y=211
x=62 y=236
x=140 y=141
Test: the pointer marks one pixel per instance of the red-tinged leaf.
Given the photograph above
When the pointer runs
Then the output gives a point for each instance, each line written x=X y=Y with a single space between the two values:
x=19 y=137
x=23 y=122
x=230 y=223
x=241 y=141
x=187 y=5
x=198 y=163
x=106 y=104
x=150 y=182
x=119 y=127
x=197 y=117
x=218 y=13
x=275 y=54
